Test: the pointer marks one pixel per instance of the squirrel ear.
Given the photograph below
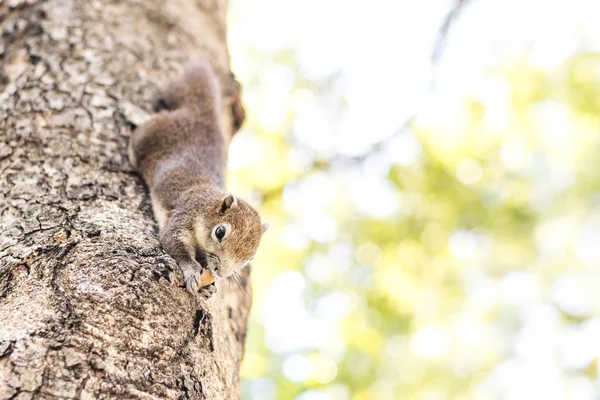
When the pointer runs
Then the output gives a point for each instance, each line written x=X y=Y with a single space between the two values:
x=265 y=226
x=228 y=202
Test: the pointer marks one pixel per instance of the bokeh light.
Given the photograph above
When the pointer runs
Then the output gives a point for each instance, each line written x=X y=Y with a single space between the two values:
x=435 y=226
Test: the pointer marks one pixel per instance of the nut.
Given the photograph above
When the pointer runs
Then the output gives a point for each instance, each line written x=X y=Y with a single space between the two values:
x=206 y=278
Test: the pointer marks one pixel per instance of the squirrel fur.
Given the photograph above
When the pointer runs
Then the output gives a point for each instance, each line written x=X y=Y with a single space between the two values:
x=181 y=153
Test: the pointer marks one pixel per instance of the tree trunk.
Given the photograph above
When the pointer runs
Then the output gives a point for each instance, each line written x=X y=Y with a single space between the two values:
x=90 y=306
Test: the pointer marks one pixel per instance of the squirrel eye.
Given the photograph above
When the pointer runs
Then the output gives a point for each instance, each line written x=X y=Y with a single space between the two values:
x=220 y=232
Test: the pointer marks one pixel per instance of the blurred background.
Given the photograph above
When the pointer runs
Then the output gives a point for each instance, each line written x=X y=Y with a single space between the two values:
x=435 y=224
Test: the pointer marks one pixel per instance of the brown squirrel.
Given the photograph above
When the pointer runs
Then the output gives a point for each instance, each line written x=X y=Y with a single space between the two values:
x=181 y=153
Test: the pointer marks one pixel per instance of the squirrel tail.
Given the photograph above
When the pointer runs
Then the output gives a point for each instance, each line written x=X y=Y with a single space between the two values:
x=199 y=87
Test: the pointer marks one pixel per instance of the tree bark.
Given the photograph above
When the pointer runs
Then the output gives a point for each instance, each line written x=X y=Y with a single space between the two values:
x=90 y=306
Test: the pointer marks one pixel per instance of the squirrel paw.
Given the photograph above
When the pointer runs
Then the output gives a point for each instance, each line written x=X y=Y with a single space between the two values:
x=193 y=281
x=193 y=284
x=207 y=292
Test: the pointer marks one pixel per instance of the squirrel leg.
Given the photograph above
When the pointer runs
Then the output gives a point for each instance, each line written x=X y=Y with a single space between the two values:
x=233 y=93
x=179 y=246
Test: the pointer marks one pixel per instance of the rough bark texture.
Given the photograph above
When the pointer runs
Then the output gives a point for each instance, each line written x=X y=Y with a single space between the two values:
x=90 y=306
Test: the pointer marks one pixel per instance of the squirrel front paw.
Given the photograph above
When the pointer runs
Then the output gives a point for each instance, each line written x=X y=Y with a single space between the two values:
x=200 y=282
x=193 y=281
x=206 y=292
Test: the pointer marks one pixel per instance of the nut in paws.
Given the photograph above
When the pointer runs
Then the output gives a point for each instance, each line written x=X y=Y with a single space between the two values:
x=195 y=279
x=207 y=292
x=202 y=282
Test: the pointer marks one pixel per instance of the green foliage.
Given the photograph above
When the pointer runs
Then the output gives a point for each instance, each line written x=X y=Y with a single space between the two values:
x=432 y=299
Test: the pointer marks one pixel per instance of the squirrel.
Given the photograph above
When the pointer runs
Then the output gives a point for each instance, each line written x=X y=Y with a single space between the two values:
x=181 y=153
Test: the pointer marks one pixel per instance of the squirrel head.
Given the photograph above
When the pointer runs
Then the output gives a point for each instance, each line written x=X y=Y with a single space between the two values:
x=227 y=237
